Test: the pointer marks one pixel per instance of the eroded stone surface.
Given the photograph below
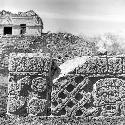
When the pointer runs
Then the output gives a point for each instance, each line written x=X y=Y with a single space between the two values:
x=29 y=78
x=94 y=90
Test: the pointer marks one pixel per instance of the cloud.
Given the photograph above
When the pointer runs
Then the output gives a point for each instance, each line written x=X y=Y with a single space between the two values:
x=105 y=18
x=95 y=10
x=74 y=15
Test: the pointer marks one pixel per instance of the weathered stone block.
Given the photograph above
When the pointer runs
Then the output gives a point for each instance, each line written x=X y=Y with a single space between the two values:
x=115 y=65
x=29 y=84
x=70 y=96
x=102 y=65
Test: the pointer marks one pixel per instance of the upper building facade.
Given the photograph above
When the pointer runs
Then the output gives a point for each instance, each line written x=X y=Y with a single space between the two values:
x=23 y=23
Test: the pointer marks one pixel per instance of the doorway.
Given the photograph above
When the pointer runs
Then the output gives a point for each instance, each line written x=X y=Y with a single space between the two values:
x=23 y=29
x=7 y=30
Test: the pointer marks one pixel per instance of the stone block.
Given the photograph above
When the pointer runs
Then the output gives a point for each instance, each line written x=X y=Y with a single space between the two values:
x=29 y=84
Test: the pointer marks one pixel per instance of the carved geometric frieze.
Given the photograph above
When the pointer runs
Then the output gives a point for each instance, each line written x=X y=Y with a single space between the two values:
x=94 y=90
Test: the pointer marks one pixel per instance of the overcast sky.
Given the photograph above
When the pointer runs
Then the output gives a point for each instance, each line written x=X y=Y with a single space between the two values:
x=75 y=16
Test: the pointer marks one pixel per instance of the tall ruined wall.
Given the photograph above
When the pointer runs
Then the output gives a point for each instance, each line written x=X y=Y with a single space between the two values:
x=29 y=84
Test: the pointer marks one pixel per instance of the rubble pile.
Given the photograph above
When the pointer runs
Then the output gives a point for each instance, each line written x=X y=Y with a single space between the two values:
x=63 y=46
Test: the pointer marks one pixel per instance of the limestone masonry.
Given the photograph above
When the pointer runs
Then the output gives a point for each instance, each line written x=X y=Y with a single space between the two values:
x=23 y=23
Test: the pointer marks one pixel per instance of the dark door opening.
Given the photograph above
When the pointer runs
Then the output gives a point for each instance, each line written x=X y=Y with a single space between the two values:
x=7 y=30
x=23 y=28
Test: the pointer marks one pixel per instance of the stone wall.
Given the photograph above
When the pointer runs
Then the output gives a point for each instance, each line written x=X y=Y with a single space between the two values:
x=94 y=90
x=29 y=84
x=34 y=24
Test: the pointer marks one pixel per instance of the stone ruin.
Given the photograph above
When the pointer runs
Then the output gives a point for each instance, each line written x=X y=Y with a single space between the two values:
x=94 y=90
x=23 y=23
x=29 y=84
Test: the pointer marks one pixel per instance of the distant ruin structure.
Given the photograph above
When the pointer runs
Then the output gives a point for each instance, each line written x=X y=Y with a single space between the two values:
x=24 y=23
